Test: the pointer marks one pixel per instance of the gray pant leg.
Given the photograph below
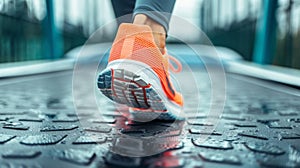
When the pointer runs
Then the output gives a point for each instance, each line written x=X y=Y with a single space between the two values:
x=158 y=10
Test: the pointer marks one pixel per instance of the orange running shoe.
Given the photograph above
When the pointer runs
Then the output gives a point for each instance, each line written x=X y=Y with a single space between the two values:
x=138 y=75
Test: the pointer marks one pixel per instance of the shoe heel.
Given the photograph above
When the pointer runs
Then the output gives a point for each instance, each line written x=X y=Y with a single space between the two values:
x=128 y=88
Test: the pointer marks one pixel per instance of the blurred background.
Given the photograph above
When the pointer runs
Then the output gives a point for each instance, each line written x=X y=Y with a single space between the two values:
x=47 y=29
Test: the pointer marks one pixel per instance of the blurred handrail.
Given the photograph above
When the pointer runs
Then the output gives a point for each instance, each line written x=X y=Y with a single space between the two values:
x=34 y=67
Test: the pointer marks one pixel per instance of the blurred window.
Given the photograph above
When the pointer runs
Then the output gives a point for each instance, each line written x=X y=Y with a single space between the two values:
x=288 y=34
x=20 y=30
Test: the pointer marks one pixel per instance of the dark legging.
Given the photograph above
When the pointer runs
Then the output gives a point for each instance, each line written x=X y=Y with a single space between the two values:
x=158 y=10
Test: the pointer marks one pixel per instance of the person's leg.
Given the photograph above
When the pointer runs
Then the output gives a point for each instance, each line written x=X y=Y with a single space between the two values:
x=154 y=13
x=123 y=10
x=158 y=10
x=157 y=15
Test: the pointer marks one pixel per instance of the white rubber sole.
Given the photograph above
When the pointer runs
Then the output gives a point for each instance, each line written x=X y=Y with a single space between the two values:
x=135 y=84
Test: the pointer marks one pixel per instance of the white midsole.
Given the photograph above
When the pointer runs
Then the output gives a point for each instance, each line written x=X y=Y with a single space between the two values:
x=148 y=75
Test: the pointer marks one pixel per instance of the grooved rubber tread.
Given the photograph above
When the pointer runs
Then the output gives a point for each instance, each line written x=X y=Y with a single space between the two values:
x=127 y=88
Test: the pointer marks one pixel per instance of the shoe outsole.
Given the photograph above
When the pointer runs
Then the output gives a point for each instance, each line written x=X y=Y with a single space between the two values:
x=125 y=87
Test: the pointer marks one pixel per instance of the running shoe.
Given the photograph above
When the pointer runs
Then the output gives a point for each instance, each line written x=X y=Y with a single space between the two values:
x=138 y=76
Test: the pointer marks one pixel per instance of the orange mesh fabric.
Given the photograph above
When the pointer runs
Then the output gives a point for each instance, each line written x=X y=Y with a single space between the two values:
x=144 y=50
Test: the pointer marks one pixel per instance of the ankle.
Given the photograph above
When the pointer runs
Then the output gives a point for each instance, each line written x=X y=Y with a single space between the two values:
x=158 y=30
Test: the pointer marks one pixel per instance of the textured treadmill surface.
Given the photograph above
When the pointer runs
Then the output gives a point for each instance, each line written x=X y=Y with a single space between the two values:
x=40 y=128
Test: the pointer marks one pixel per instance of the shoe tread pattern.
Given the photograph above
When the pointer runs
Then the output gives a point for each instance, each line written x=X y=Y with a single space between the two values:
x=125 y=87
